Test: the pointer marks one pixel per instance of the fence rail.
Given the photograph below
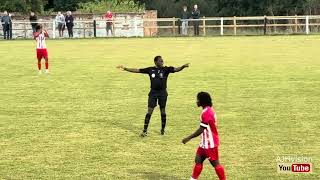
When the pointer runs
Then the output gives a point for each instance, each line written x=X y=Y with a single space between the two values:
x=208 y=26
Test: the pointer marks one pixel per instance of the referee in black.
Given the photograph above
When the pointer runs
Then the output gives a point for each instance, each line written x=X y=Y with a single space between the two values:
x=158 y=77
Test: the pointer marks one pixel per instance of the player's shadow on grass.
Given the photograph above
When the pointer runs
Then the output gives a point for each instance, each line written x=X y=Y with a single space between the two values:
x=155 y=176
x=136 y=128
x=131 y=128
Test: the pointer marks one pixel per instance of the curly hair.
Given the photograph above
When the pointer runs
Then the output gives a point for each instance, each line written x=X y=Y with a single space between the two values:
x=204 y=99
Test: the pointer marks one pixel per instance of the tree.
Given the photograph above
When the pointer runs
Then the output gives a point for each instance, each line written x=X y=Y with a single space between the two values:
x=170 y=8
x=23 y=6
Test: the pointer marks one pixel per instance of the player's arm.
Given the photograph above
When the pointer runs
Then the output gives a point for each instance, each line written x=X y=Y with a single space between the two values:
x=35 y=35
x=197 y=133
x=46 y=34
x=177 y=69
x=133 y=70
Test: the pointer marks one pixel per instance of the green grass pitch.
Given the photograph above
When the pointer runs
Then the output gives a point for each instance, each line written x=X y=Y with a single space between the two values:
x=82 y=121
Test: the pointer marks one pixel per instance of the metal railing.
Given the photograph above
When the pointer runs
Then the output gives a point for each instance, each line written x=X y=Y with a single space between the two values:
x=208 y=26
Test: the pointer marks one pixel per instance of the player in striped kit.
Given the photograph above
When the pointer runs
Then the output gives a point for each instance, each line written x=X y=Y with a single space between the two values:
x=40 y=36
x=209 y=143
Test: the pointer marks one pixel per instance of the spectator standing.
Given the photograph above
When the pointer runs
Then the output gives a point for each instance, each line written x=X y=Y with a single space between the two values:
x=10 y=26
x=33 y=20
x=69 y=23
x=61 y=23
x=196 y=16
x=6 y=21
x=184 y=19
x=109 y=18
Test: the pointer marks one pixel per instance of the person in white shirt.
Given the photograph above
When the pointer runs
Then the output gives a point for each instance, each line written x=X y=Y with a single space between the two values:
x=61 y=23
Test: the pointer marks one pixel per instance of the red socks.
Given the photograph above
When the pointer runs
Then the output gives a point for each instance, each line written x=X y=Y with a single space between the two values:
x=39 y=65
x=47 y=65
x=198 y=168
x=197 y=171
x=220 y=172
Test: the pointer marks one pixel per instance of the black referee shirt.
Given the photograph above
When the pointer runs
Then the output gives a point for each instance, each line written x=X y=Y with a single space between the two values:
x=158 y=76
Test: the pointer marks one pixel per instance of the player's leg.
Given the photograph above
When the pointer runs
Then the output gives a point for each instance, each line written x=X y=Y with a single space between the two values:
x=39 y=57
x=45 y=56
x=214 y=160
x=198 y=164
x=163 y=119
x=162 y=103
x=146 y=122
x=219 y=169
x=152 y=102
x=39 y=65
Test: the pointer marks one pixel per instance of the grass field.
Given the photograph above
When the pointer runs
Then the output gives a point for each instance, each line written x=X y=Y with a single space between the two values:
x=82 y=121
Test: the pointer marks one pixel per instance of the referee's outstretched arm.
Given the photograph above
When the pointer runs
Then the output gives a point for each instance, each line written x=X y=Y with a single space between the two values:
x=177 y=69
x=133 y=70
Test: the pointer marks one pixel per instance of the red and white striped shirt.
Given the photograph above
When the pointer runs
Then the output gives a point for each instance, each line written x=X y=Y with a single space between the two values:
x=41 y=40
x=209 y=137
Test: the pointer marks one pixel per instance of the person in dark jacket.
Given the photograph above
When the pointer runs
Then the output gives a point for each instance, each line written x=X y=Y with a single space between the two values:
x=196 y=16
x=6 y=21
x=69 y=23
x=184 y=19
x=33 y=21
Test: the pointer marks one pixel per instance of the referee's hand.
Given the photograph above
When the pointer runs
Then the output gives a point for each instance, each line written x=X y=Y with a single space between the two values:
x=186 y=65
x=120 y=67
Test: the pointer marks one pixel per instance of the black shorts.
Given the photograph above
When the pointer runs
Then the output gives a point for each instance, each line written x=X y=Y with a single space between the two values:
x=157 y=96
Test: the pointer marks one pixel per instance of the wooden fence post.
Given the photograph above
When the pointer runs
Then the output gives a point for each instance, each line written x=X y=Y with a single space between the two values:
x=174 y=26
x=204 y=25
x=296 y=24
x=94 y=28
x=234 y=25
x=25 y=29
x=307 y=25
x=84 y=30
